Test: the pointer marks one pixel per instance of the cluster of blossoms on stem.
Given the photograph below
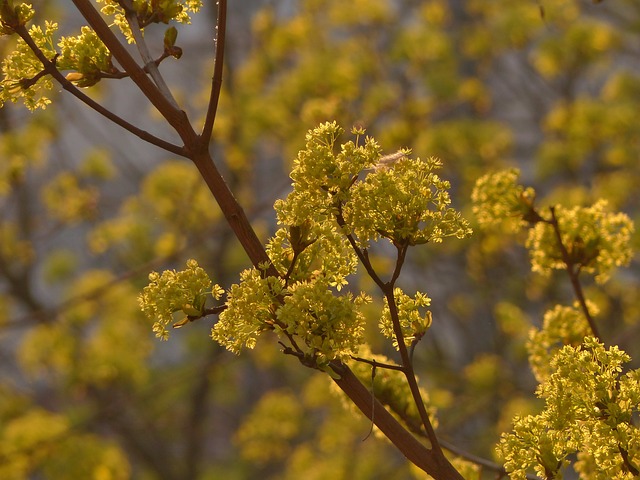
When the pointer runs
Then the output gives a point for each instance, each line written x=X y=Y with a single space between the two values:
x=589 y=403
x=174 y=291
x=414 y=321
x=596 y=240
x=324 y=252
x=589 y=410
x=343 y=198
x=251 y=307
x=86 y=55
x=21 y=65
x=592 y=239
x=331 y=326
x=407 y=204
x=12 y=17
x=499 y=199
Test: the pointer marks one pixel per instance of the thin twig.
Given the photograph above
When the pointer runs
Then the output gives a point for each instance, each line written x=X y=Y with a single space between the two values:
x=205 y=313
x=216 y=80
x=234 y=213
x=388 y=291
x=291 y=267
x=150 y=65
x=375 y=363
x=49 y=67
x=408 y=367
x=402 y=253
x=483 y=462
x=360 y=253
x=573 y=270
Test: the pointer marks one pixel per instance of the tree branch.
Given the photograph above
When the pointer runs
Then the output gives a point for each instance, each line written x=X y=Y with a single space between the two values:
x=402 y=253
x=233 y=212
x=407 y=366
x=361 y=253
x=216 y=80
x=376 y=364
x=431 y=461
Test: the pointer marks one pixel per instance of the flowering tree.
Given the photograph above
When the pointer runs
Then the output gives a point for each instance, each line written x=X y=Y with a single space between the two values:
x=348 y=203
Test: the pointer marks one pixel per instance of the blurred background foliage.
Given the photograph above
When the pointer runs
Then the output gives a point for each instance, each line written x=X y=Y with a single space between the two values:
x=87 y=212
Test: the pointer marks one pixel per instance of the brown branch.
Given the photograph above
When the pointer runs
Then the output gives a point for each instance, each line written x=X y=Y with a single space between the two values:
x=407 y=366
x=216 y=80
x=27 y=83
x=429 y=460
x=194 y=148
x=294 y=260
x=233 y=212
x=402 y=253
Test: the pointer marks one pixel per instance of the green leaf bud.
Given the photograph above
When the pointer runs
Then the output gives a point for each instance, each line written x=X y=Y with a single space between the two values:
x=170 y=36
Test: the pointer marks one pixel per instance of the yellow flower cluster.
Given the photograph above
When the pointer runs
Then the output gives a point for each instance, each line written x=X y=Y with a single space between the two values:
x=561 y=326
x=589 y=411
x=21 y=65
x=85 y=56
x=175 y=291
x=589 y=239
x=414 y=320
x=499 y=199
x=251 y=306
x=343 y=198
x=596 y=240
